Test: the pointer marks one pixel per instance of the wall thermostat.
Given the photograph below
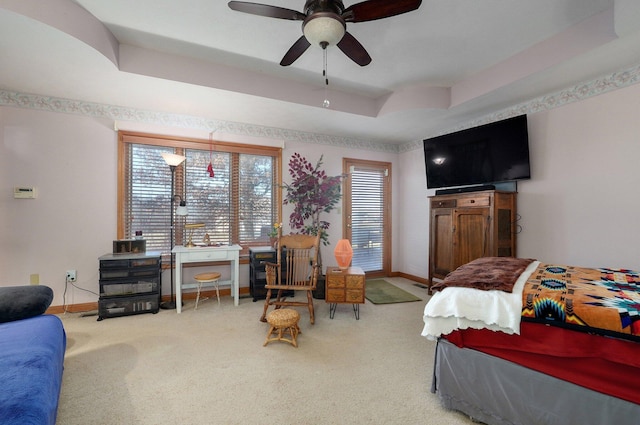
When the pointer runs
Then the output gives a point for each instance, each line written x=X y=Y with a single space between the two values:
x=25 y=192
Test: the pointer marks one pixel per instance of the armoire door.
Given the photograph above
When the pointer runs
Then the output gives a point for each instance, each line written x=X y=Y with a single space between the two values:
x=441 y=244
x=470 y=234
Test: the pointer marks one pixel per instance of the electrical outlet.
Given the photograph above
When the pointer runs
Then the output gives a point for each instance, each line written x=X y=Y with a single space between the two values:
x=71 y=275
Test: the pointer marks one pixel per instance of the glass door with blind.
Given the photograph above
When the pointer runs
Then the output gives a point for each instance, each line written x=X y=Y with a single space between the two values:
x=366 y=218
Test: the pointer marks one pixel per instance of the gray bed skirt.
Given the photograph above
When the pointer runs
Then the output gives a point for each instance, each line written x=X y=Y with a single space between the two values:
x=499 y=392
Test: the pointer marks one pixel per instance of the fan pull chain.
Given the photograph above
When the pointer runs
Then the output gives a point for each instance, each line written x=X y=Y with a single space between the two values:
x=326 y=102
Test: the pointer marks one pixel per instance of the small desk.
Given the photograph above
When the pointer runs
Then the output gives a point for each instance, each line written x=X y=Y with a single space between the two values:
x=203 y=255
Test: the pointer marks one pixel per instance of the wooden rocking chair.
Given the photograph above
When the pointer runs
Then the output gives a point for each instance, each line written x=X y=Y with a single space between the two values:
x=296 y=269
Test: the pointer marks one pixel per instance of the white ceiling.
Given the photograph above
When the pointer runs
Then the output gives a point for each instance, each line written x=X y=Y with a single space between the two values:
x=448 y=62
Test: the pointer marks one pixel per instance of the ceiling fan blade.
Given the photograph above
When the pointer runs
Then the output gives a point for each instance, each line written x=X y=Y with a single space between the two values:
x=298 y=48
x=377 y=9
x=354 y=50
x=266 y=10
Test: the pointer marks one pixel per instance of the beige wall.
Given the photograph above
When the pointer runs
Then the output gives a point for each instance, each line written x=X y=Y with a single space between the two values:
x=72 y=161
x=580 y=207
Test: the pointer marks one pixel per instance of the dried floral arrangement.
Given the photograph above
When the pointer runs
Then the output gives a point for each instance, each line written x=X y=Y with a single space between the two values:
x=311 y=192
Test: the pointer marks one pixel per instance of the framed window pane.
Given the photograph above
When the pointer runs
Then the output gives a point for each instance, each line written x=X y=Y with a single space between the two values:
x=256 y=187
x=209 y=198
x=237 y=205
x=148 y=198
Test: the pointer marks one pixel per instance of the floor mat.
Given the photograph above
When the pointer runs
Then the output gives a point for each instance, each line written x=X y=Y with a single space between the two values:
x=379 y=291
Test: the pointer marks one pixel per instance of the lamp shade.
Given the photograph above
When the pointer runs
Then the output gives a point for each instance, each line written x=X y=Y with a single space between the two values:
x=172 y=159
x=326 y=28
x=182 y=209
x=343 y=253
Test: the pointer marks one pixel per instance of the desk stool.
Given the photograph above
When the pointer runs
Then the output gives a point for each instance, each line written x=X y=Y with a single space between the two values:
x=210 y=277
x=283 y=321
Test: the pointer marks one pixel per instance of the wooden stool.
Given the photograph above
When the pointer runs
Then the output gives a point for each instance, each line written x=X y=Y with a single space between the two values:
x=210 y=277
x=283 y=321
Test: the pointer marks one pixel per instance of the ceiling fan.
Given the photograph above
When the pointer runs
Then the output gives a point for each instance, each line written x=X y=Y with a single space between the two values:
x=324 y=23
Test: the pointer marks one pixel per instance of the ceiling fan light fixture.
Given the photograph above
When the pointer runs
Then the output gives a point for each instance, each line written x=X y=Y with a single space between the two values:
x=324 y=29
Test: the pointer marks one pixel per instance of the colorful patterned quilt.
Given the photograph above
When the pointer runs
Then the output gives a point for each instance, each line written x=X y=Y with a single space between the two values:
x=602 y=301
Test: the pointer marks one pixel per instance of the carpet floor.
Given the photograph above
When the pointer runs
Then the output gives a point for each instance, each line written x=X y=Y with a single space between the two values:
x=208 y=366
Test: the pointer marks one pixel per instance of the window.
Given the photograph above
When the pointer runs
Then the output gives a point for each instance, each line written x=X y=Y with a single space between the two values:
x=237 y=205
x=366 y=204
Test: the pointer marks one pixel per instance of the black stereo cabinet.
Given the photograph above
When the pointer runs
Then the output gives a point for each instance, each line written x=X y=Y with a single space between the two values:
x=258 y=256
x=129 y=284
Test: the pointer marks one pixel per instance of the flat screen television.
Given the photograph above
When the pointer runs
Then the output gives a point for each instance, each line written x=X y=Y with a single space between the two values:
x=483 y=155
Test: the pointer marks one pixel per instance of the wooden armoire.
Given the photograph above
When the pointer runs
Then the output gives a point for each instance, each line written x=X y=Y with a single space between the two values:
x=466 y=226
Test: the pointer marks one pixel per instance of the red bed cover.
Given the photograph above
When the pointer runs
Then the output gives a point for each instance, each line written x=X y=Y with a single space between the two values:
x=601 y=363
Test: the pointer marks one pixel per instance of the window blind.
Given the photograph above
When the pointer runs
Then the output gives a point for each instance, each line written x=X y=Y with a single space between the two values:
x=209 y=198
x=237 y=205
x=148 y=195
x=256 y=184
x=367 y=218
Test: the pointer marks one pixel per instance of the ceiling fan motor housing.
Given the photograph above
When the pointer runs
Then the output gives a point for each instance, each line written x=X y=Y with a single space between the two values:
x=335 y=6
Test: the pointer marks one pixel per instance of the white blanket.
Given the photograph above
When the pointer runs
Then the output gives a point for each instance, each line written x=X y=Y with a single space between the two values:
x=461 y=308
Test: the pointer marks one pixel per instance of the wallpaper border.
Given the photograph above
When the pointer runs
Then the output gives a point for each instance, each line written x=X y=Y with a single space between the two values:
x=576 y=93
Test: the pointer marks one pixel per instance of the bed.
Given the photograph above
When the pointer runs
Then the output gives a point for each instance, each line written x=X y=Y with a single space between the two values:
x=530 y=343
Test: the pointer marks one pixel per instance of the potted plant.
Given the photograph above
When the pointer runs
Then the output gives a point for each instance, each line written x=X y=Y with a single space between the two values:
x=311 y=192
x=273 y=233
